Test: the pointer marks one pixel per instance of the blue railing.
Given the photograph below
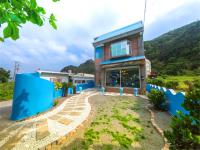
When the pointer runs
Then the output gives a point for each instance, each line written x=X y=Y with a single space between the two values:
x=174 y=99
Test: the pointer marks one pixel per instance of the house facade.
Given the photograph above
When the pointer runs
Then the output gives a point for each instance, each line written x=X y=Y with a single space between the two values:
x=120 y=60
x=77 y=78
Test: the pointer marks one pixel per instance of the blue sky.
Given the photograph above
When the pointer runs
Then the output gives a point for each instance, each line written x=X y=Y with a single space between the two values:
x=80 y=21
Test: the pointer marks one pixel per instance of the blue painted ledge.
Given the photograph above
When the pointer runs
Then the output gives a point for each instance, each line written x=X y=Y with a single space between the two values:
x=122 y=60
x=174 y=99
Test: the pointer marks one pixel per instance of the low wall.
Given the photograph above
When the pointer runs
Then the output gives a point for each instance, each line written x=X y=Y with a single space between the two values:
x=174 y=99
x=84 y=86
x=32 y=95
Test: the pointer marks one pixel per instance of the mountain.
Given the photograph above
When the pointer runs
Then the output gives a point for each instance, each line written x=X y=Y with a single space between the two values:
x=176 y=52
x=86 y=67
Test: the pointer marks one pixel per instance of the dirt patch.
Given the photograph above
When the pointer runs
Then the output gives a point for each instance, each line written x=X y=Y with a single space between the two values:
x=119 y=122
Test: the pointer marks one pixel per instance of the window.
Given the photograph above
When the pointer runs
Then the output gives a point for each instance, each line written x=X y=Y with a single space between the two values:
x=130 y=77
x=119 y=49
x=113 y=78
x=98 y=52
x=123 y=77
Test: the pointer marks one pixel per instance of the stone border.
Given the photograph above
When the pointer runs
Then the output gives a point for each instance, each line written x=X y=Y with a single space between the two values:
x=158 y=129
x=65 y=138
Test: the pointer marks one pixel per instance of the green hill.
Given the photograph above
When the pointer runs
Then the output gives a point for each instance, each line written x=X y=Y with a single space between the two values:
x=176 y=52
x=86 y=67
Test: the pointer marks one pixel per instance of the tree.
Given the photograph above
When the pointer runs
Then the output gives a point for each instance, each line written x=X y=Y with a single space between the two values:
x=14 y=13
x=4 y=75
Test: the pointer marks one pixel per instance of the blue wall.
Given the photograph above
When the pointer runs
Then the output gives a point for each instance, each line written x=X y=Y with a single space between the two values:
x=58 y=93
x=84 y=86
x=32 y=95
x=174 y=99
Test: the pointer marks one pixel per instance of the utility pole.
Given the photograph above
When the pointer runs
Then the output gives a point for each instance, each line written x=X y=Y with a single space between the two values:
x=145 y=5
x=16 y=69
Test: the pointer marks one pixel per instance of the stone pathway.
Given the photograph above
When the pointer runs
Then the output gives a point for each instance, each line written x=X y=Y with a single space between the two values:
x=39 y=132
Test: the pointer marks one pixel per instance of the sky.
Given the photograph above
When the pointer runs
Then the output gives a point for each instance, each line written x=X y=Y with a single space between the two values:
x=80 y=21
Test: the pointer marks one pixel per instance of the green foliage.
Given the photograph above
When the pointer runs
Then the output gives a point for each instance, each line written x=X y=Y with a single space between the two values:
x=157 y=98
x=58 y=85
x=70 y=84
x=90 y=135
x=158 y=82
x=14 y=13
x=171 y=84
x=122 y=139
x=4 y=75
x=55 y=103
x=6 y=91
x=176 y=52
x=185 y=132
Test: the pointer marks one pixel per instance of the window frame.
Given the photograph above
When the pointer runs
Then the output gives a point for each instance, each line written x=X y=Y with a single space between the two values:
x=121 y=68
x=121 y=54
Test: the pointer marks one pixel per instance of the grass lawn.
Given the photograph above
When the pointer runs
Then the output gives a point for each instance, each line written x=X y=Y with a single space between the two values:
x=182 y=86
x=118 y=123
x=6 y=91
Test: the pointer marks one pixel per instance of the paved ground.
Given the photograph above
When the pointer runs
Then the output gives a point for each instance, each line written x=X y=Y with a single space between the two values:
x=45 y=129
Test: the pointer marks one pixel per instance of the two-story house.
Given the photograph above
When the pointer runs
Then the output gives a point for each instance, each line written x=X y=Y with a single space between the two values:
x=120 y=60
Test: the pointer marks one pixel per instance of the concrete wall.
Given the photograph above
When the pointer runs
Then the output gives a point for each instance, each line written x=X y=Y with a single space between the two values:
x=174 y=99
x=32 y=95
x=89 y=84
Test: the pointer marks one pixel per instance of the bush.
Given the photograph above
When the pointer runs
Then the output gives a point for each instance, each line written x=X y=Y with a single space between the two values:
x=55 y=102
x=185 y=132
x=58 y=85
x=158 y=82
x=171 y=84
x=70 y=84
x=157 y=98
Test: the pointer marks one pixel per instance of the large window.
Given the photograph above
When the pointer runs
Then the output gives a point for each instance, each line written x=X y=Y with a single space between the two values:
x=119 y=49
x=130 y=77
x=123 y=78
x=113 y=78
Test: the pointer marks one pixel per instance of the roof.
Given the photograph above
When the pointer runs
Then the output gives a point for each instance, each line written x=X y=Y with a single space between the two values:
x=52 y=72
x=66 y=73
x=122 y=60
x=120 y=31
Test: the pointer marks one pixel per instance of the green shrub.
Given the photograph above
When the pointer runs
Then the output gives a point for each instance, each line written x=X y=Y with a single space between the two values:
x=185 y=132
x=158 y=82
x=157 y=98
x=58 y=85
x=70 y=84
x=171 y=84
x=55 y=102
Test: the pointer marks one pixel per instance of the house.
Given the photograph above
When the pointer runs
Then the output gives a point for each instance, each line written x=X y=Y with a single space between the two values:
x=54 y=76
x=120 y=60
x=148 y=68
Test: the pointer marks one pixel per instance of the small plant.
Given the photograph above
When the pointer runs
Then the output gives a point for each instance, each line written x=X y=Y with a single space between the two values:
x=157 y=98
x=91 y=135
x=122 y=139
x=58 y=85
x=70 y=84
x=185 y=132
x=55 y=103
x=171 y=84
